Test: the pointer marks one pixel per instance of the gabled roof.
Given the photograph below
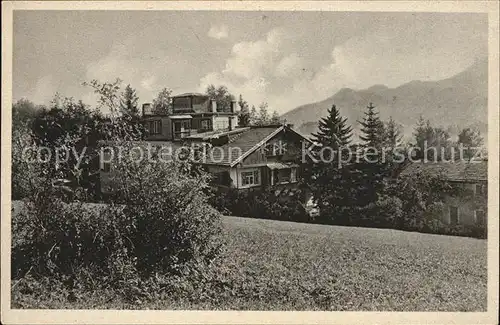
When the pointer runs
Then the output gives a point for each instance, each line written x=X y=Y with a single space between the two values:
x=216 y=134
x=464 y=171
x=244 y=144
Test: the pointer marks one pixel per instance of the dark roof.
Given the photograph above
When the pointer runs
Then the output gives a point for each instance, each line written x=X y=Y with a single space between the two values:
x=216 y=134
x=190 y=94
x=464 y=171
x=243 y=144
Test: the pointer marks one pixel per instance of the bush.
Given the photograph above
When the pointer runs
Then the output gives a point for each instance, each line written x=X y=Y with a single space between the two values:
x=268 y=204
x=166 y=227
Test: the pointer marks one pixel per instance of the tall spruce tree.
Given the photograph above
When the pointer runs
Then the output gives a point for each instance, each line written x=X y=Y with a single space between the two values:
x=128 y=103
x=330 y=182
x=275 y=118
x=244 y=114
x=373 y=165
x=392 y=136
x=372 y=128
x=333 y=130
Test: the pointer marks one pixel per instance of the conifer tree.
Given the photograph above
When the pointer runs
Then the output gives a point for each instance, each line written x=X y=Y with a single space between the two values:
x=392 y=137
x=333 y=130
x=275 y=118
x=263 y=118
x=253 y=116
x=244 y=114
x=372 y=128
x=128 y=103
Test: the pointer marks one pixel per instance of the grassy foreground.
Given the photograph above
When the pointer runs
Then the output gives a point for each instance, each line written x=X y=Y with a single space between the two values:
x=275 y=265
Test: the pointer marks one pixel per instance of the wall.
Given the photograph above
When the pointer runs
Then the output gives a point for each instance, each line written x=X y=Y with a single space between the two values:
x=166 y=128
x=293 y=146
x=466 y=203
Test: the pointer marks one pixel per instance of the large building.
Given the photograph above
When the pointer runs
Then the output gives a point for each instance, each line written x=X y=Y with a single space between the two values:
x=192 y=113
x=469 y=208
x=242 y=158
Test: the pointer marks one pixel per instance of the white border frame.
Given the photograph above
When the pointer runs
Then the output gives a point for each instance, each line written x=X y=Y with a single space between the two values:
x=10 y=316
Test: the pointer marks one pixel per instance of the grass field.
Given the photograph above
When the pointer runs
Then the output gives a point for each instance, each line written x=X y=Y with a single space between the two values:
x=276 y=265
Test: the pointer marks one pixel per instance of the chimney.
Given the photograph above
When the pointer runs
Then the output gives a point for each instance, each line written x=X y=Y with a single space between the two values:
x=147 y=109
x=213 y=103
x=233 y=106
x=289 y=125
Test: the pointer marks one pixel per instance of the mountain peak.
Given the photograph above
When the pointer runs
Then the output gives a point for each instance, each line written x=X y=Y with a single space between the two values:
x=461 y=100
x=377 y=88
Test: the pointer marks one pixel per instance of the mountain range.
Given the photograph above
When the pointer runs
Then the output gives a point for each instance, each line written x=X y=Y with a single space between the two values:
x=453 y=103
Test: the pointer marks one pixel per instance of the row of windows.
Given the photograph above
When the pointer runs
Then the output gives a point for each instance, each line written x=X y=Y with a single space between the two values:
x=154 y=127
x=280 y=176
x=454 y=216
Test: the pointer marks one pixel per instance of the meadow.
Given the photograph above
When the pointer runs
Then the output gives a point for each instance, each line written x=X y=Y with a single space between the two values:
x=277 y=265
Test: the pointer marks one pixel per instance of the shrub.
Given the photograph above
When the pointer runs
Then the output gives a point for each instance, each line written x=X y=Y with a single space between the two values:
x=271 y=203
x=166 y=227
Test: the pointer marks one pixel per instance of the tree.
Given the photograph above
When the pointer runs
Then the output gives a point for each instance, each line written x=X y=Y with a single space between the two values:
x=253 y=116
x=471 y=140
x=333 y=130
x=72 y=132
x=222 y=96
x=372 y=128
x=392 y=136
x=244 y=114
x=162 y=104
x=116 y=127
x=129 y=102
x=23 y=113
x=275 y=118
x=433 y=142
x=263 y=118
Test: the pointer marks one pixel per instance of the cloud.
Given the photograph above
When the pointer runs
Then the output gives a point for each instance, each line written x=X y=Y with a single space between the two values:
x=146 y=70
x=218 y=32
x=273 y=69
x=44 y=91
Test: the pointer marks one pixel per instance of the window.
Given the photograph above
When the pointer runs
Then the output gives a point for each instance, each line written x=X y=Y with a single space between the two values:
x=249 y=178
x=480 y=189
x=205 y=124
x=154 y=127
x=453 y=215
x=276 y=149
x=221 y=125
x=293 y=175
x=106 y=167
x=283 y=176
x=480 y=217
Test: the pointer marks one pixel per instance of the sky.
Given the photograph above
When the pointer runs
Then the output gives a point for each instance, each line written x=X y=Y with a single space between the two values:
x=283 y=58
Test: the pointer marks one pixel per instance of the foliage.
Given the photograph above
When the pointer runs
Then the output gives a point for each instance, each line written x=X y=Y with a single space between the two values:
x=124 y=127
x=275 y=265
x=275 y=118
x=253 y=116
x=162 y=104
x=471 y=140
x=333 y=130
x=244 y=114
x=372 y=128
x=263 y=115
x=23 y=113
x=129 y=103
x=433 y=142
x=222 y=96
x=267 y=204
x=174 y=222
x=392 y=135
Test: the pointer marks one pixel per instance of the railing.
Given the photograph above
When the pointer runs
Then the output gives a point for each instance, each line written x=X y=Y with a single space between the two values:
x=182 y=134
